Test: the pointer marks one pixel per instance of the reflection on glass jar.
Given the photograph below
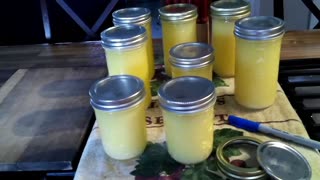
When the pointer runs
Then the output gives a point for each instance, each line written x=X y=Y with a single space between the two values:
x=126 y=53
x=178 y=23
x=138 y=16
x=224 y=13
x=258 y=44
x=187 y=105
x=118 y=102
x=191 y=59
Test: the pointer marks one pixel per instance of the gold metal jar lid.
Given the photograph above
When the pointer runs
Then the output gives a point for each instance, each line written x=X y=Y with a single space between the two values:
x=133 y=15
x=233 y=171
x=178 y=12
x=229 y=8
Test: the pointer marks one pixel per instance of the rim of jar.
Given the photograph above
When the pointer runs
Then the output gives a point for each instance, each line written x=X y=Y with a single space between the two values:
x=190 y=66
x=168 y=102
x=233 y=18
x=186 y=12
x=232 y=170
x=141 y=23
x=230 y=8
x=141 y=19
x=119 y=37
x=109 y=85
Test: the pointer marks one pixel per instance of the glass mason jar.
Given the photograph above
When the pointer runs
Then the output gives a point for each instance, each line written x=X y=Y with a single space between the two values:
x=224 y=13
x=187 y=105
x=178 y=23
x=191 y=59
x=126 y=53
x=258 y=44
x=139 y=16
x=120 y=112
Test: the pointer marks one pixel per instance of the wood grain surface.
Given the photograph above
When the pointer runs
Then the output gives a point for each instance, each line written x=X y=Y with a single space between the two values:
x=44 y=116
x=301 y=45
x=296 y=45
x=85 y=54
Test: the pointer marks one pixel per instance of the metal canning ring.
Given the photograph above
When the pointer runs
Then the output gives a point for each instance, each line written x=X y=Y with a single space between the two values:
x=233 y=171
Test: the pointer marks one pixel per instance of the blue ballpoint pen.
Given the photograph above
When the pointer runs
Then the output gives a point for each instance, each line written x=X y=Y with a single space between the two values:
x=258 y=127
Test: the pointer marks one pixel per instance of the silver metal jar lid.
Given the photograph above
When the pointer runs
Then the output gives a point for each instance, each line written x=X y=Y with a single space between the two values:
x=235 y=172
x=191 y=55
x=229 y=8
x=134 y=15
x=123 y=37
x=282 y=161
x=178 y=12
x=259 y=28
x=116 y=93
x=187 y=94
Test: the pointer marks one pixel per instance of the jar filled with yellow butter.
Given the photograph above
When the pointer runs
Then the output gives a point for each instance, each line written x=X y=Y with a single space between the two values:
x=258 y=44
x=139 y=16
x=187 y=105
x=126 y=53
x=118 y=102
x=192 y=59
x=224 y=13
x=178 y=22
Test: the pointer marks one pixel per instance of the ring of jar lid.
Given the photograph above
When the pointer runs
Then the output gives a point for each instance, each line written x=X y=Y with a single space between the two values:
x=230 y=9
x=127 y=36
x=233 y=171
x=191 y=55
x=132 y=15
x=178 y=12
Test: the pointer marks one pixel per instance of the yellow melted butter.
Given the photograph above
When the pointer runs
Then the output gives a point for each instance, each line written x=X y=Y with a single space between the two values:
x=257 y=66
x=123 y=133
x=189 y=136
x=174 y=33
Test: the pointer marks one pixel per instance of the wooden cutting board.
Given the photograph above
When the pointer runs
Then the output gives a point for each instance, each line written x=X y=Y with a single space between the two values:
x=44 y=117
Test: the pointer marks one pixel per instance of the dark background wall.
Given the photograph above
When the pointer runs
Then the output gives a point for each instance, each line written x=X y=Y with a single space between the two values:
x=21 y=21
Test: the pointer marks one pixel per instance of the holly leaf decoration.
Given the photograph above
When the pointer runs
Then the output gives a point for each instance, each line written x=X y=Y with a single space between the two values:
x=221 y=135
x=231 y=151
x=159 y=79
x=203 y=171
x=154 y=161
x=154 y=87
x=217 y=81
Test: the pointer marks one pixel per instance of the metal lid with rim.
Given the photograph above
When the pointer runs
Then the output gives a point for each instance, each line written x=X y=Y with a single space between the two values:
x=233 y=171
x=282 y=161
x=133 y=15
x=229 y=8
x=116 y=93
x=123 y=37
x=178 y=12
x=259 y=28
x=191 y=55
x=187 y=94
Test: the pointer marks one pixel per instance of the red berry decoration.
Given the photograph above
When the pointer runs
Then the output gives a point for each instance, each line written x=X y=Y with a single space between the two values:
x=239 y=163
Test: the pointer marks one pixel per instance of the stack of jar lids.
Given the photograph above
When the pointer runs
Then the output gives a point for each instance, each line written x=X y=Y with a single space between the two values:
x=277 y=159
